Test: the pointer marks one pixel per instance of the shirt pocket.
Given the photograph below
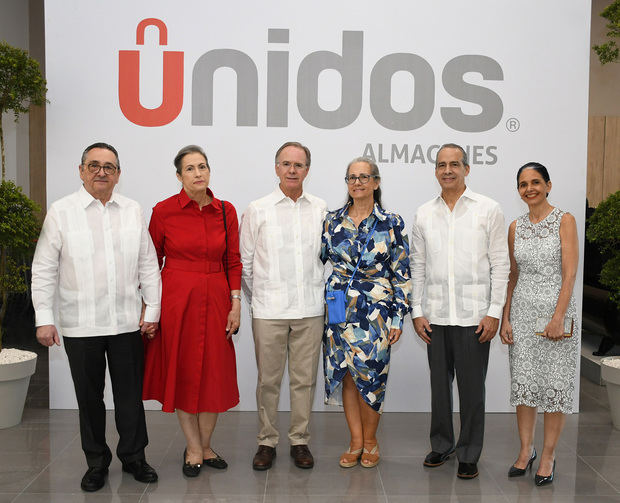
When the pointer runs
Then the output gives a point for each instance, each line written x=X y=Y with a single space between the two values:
x=433 y=300
x=272 y=237
x=475 y=297
x=130 y=241
x=472 y=237
x=434 y=241
x=80 y=244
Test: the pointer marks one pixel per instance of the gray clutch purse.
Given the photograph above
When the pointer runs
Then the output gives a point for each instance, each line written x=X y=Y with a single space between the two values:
x=541 y=324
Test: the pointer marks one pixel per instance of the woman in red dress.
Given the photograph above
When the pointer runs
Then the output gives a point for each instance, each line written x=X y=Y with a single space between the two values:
x=190 y=365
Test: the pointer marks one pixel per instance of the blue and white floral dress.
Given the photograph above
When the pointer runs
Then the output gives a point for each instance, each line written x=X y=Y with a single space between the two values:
x=378 y=299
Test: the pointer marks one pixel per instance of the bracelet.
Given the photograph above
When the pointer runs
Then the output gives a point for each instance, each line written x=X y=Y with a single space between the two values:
x=238 y=297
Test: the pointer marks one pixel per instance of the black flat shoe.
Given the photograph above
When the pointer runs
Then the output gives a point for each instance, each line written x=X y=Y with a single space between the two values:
x=94 y=479
x=435 y=458
x=519 y=472
x=190 y=470
x=216 y=462
x=539 y=480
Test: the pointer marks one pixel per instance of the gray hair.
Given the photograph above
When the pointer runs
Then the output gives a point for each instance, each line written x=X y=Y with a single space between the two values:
x=298 y=145
x=458 y=147
x=189 y=149
x=374 y=170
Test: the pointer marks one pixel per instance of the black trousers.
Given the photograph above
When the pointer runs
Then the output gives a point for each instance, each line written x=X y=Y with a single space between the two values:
x=455 y=348
x=87 y=360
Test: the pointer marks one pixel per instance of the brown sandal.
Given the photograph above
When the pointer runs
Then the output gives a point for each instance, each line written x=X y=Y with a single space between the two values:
x=350 y=458
x=370 y=458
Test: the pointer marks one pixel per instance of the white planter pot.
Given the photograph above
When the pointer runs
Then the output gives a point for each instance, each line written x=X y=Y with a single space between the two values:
x=14 y=380
x=610 y=373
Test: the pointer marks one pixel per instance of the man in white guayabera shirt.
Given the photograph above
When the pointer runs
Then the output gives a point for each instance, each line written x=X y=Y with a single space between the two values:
x=93 y=267
x=459 y=267
x=280 y=242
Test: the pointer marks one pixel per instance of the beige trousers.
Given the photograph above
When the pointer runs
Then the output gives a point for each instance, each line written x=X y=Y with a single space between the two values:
x=274 y=341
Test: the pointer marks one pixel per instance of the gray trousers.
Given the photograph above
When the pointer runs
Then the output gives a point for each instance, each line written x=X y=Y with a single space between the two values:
x=455 y=348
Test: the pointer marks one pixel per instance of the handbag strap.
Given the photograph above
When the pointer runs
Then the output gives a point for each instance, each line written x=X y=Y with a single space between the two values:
x=225 y=242
x=360 y=259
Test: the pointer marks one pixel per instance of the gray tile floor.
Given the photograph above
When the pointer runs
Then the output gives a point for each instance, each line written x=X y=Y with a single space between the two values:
x=41 y=461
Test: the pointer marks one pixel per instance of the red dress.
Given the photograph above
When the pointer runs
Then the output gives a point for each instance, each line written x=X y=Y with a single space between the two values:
x=190 y=364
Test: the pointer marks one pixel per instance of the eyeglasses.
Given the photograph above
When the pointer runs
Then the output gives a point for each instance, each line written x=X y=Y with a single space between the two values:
x=95 y=167
x=201 y=167
x=363 y=178
x=288 y=164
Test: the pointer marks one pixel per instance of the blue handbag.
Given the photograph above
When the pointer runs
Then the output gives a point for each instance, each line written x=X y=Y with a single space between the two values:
x=335 y=299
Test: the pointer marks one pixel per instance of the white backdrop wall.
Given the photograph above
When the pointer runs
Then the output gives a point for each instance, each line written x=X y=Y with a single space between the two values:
x=508 y=80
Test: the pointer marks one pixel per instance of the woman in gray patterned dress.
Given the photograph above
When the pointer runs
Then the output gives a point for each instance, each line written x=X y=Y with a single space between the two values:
x=540 y=309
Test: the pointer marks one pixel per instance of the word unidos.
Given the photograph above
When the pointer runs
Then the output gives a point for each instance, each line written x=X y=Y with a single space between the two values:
x=349 y=64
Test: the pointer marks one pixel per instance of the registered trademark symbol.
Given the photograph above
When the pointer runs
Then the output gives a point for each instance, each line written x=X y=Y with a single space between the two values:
x=512 y=125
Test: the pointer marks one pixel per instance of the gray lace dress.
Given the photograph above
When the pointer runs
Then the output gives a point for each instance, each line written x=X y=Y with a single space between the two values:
x=542 y=371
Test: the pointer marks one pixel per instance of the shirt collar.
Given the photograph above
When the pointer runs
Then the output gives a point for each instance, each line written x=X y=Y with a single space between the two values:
x=184 y=199
x=377 y=211
x=86 y=199
x=469 y=194
x=279 y=196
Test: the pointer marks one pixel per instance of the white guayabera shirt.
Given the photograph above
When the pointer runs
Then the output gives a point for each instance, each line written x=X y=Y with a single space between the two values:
x=280 y=245
x=459 y=260
x=95 y=264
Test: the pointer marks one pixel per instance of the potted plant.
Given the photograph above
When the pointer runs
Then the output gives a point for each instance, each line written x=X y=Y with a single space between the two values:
x=21 y=85
x=604 y=230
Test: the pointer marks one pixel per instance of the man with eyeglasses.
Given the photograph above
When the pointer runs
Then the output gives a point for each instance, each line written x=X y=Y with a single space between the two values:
x=459 y=267
x=282 y=277
x=94 y=269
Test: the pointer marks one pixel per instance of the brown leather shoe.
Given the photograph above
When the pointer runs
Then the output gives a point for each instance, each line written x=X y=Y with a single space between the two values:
x=302 y=456
x=263 y=459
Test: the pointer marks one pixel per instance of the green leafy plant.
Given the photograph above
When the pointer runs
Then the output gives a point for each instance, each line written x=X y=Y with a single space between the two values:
x=604 y=230
x=21 y=85
x=19 y=228
x=609 y=52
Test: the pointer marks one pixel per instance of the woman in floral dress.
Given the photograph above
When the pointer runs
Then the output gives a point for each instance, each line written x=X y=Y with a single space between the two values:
x=357 y=352
x=539 y=315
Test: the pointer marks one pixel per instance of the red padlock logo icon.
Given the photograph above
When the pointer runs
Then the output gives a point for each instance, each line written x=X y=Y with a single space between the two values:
x=129 y=81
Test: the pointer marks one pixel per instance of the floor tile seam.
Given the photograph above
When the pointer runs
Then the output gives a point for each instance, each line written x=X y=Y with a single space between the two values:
x=168 y=449
x=599 y=400
x=392 y=456
x=564 y=443
x=48 y=465
x=599 y=474
x=82 y=493
x=171 y=442
x=497 y=484
x=381 y=481
x=265 y=488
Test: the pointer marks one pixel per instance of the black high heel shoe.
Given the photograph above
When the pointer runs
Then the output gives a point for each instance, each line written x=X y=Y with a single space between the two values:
x=519 y=472
x=539 y=480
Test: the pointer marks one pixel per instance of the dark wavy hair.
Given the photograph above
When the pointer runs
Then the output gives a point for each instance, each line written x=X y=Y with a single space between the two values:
x=539 y=168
